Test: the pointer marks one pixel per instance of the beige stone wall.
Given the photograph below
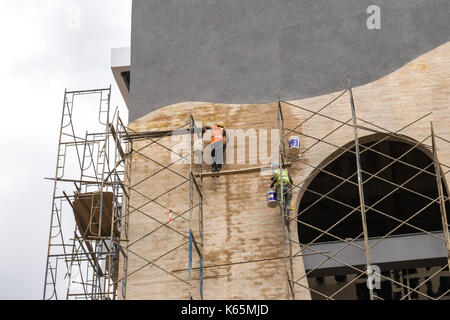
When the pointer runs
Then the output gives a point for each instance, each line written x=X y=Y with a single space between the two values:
x=238 y=226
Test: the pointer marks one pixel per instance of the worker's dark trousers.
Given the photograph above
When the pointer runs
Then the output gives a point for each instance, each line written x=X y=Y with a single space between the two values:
x=287 y=195
x=217 y=149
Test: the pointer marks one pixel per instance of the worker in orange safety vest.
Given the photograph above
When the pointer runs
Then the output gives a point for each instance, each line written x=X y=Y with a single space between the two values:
x=218 y=144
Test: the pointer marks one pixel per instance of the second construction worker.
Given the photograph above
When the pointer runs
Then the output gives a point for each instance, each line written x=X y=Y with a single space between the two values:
x=218 y=144
x=282 y=181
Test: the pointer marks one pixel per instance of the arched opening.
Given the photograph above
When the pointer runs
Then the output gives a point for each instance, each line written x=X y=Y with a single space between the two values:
x=402 y=188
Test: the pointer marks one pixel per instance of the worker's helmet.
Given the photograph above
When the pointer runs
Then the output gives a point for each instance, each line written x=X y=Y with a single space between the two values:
x=275 y=165
x=220 y=124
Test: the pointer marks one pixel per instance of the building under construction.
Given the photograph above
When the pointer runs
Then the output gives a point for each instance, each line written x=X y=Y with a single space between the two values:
x=135 y=215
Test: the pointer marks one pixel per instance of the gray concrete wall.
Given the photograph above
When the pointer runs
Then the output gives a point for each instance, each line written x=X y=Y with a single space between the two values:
x=394 y=249
x=235 y=51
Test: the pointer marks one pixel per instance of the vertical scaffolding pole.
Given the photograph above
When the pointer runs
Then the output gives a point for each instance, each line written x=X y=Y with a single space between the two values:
x=284 y=217
x=438 y=171
x=191 y=202
x=361 y=194
x=122 y=220
x=55 y=212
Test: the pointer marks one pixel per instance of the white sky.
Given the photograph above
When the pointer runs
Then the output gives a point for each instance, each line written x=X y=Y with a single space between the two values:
x=44 y=50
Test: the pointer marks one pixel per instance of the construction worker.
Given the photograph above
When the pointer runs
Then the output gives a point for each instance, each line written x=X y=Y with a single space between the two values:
x=282 y=181
x=218 y=144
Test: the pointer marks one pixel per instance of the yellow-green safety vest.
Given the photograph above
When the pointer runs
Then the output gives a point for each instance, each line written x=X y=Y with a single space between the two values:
x=284 y=177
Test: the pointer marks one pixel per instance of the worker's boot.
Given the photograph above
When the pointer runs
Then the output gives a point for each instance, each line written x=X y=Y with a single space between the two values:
x=218 y=166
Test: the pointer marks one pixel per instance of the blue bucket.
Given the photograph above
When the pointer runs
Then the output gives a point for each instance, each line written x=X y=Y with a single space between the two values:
x=294 y=145
x=271 y=199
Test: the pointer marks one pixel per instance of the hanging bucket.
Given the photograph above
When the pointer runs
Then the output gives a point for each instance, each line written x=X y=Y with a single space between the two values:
x=294 y=145
x=271 y=199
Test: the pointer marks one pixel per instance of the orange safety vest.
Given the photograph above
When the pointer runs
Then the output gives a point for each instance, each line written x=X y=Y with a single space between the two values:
x=216 y=134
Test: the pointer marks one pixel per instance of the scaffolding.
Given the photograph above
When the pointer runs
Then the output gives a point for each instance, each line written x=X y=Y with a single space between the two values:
x=366 y=274
x=89 y=246
x=190 y=230
x=89 y=229
x=86 y=226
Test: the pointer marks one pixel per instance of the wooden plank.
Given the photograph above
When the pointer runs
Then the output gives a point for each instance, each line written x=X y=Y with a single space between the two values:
x=237 y=171
x=116 y=139
x=87 y=214
x=154 y=134
x=94 y=263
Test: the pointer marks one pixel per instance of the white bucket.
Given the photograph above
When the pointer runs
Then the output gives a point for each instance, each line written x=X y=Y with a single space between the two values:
x=294 y=145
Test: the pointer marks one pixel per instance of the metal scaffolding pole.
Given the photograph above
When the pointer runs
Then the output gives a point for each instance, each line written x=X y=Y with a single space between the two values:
x=438 y=171
x=362 y=203
x=287 y=243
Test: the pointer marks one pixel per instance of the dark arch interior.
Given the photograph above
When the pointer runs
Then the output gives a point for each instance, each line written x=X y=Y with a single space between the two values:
x=402 y=204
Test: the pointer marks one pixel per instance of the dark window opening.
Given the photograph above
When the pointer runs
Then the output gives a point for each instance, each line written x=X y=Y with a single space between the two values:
x=402 y=204
x=126 y=78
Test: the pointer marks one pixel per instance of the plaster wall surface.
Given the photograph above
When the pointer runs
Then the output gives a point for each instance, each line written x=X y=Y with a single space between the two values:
x=242 y=51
